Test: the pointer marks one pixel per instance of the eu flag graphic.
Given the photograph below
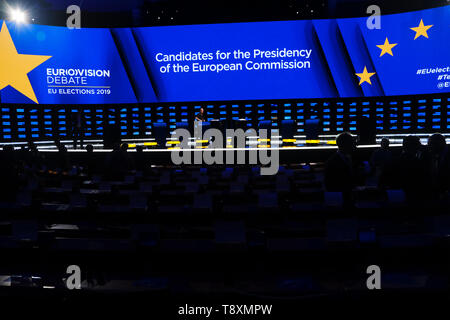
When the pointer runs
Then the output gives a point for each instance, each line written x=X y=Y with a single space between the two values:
x=411 y=52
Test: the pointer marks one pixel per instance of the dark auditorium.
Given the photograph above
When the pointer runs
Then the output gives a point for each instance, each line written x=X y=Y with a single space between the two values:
x=238 y=159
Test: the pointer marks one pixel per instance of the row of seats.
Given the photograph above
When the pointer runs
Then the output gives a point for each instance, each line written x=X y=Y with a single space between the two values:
x=195 y=208
x=195 y=190
x=229 y=234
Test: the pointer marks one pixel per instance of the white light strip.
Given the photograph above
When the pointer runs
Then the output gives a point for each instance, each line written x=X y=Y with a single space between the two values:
x=12 y=143
x=131 y=140
x=423 y=137
x=332 y=135
x=232 y=149
x=411 y=134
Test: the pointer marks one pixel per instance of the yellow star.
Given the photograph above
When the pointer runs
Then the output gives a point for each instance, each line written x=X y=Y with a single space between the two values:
x=421 y=30
x=365 y=76
x=14 y=67
x=386 y=47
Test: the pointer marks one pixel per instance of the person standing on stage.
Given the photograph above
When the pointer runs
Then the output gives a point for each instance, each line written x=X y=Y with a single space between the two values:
x=77 y=129
x=201 y=116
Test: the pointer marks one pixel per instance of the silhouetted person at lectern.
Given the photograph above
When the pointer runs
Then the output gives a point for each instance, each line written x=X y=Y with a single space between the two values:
x=77 y=129
x=340 y=169
x=201 y=116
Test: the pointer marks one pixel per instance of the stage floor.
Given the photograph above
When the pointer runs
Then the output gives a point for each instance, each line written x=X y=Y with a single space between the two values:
x=299 y=142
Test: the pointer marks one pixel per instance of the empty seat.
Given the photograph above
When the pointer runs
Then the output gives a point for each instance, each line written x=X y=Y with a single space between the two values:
x=78 y=201
x=230 y=232
x=203 y=201
x=139 y=201
x=334 y=199
x=146 y=186
x=396 y=197
x=268 y=200
x=342 y=230
x=24 y=230
x=147 y=235
x=24 y=199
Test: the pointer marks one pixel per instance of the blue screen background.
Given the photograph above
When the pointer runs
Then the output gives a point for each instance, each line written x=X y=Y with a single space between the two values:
x=340 y=48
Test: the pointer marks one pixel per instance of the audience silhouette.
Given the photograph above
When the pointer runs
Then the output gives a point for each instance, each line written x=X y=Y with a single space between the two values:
x=438 y=165
x=343 y=169
x=423 y=172
x=340 y=173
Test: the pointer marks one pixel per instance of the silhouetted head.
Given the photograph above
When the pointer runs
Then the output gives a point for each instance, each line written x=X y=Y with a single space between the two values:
x=8 y=148
x=385 y=143
x=116 y=147
x=437 y=143
x=139 y=148
x=31 y=144
x=345 y=142
x=90 y=148
x=411 y=144
x=124 y=147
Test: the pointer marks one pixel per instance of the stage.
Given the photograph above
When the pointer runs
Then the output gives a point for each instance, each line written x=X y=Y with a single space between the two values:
x=295 y=150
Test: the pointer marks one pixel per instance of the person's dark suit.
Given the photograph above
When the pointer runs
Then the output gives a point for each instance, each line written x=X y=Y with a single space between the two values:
x=340 y=173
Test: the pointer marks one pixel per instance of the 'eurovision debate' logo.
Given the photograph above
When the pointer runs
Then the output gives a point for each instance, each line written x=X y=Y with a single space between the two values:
x=14 y=67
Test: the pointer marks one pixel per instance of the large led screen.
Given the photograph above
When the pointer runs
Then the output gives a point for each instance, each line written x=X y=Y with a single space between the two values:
x=408 y=54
